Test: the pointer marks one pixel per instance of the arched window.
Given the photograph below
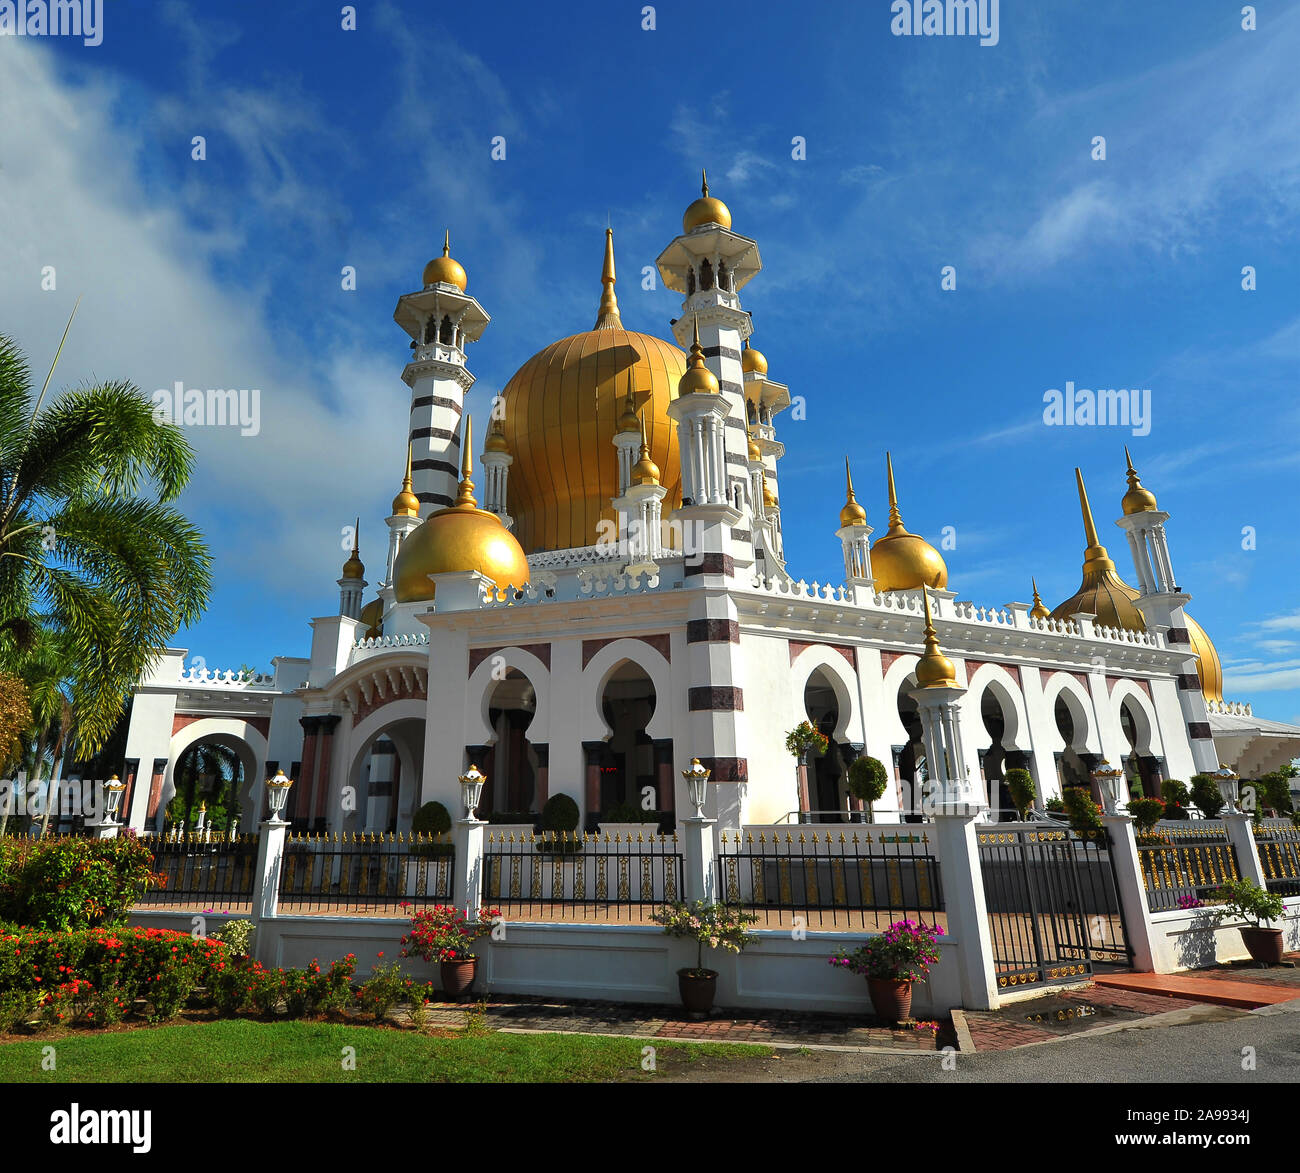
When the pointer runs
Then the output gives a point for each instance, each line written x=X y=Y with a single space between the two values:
x=706 y=275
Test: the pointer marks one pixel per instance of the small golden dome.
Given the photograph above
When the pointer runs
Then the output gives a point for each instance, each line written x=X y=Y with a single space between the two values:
x=353 y=567
x=755 y=453
x=852 y=513
x=706 y=210
x=645 y=471
x=1208 y=667
x=372 y=616
x=1102 y=592
x=496 y=439
x=1137 y=499
x=628 y=421
x=458 y=538
x=902 y=561
x=406 y=503
x=698 y=378
x=769 y=497
x=1039 y=609
x=752 y=361
x=443 y=270
x=933 y=669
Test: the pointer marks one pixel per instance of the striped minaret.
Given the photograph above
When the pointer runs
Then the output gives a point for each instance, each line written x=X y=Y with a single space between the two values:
x=441 y=319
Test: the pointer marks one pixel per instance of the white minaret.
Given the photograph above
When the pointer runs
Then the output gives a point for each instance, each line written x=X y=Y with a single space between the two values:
x=442 y=319
x=708 y=264
x=353 y=581
x=937 y=694
x=764 y=399
x=496 y=461
x=700 y=411
x=854 y=535
x=1162 y=602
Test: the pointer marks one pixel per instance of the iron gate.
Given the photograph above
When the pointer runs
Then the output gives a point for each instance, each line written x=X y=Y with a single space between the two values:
x=1053 y=906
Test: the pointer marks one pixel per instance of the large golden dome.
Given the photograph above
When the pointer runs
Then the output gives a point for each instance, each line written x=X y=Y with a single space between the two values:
x=903 y=561
x=562 y=409
x=1208 y=667
x=458 y=538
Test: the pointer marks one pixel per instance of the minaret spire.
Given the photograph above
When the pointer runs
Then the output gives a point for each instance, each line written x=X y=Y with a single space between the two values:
x=934 y=669
x=608 y=317
x=852 y=513
x=1039 y=609
x=704 y=182
x=465 y=497
x=446 y=242
x=895 y=517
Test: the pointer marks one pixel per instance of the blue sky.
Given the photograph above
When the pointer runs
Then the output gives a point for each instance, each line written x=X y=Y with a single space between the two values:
x=328 y=148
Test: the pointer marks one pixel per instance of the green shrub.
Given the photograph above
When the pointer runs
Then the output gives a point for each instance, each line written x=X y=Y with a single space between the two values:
x=308 y=992
x=1055 y=806
x=384 y=989
x=626 y=812
x=72 y=883
x=1248 y=901
x=431 y=819
x=1020 y=784
x=237 y=935
x=560 y=814
x=1206 y=795
x=868 y=780
x=1083 y=813
x=1146 y=812
x=1177 y=800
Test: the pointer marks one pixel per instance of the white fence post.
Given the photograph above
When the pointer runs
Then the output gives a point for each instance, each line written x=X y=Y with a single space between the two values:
x=1134 y=910
x=698 y=861
x=963 y=900
x=270 y=851
x=467 y=884
x=1242 y=837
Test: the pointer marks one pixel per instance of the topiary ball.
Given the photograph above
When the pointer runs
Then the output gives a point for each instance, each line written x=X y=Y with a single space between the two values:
x=560 y=814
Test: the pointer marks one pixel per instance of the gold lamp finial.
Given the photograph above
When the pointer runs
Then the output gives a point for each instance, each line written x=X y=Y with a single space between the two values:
x=1137 y=499
x=608 y=317
x=465 y=497
x=406 y=503
x=934 y=669
x=1039 y=609
x=852 y=513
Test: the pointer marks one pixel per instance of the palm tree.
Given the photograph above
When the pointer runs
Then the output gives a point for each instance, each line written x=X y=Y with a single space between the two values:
x=89 y=546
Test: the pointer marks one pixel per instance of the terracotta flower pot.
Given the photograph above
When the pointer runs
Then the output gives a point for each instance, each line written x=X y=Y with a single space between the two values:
x=457 y=977
x=890 y=999
x=1263 y=944
x=697 y=989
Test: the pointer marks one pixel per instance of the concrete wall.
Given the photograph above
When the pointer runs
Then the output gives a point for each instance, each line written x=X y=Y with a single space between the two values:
x=1191 y=939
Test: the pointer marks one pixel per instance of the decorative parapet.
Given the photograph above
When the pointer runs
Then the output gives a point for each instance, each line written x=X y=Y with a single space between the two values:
x=364 y=649
x=577 y=556
x=204 y=677
x=591 y=582
x=814 y=592
x=1229 y=708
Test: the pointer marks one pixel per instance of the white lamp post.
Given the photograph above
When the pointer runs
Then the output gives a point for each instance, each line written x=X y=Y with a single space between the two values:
x=696 y=779
x=1227 y=780
x=471 y=789
x=1108 y=780
x=277 y=794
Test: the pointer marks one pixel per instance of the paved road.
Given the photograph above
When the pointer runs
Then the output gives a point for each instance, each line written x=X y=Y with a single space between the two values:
x=1202 y=1045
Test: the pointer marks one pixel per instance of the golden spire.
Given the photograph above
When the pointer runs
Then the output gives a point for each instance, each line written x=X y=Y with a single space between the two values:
x=852 y=513
x=465 y=497
x=902 y=561
x=1039 y=609
x=895 y=518
x=353 y=567
x=645 y=471
x=1137 y=499
x=698 y=378
x=1096 y=553
x=608 y=318
x=704 y=182
x=933 y=669
x=406 y=503
x=446 y=242
x=496 y=437
x=627 y=422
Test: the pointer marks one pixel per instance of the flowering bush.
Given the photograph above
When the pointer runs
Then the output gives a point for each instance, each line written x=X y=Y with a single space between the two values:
x=443 y=933
x=904 y=952
x=237 y=934
x=719 y=926
x=384 y=989
x=308 y=992
x=72 y=883
x=804 y=737
x=1187 y=902
x=1146 y=812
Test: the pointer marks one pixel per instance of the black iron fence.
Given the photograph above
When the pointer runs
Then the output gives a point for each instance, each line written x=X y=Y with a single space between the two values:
x=1278 y=844
x=364 y=872
x=200 y=872
x=1053 y=904
x=862 y=878
x=575 y=876
x=1183 y=864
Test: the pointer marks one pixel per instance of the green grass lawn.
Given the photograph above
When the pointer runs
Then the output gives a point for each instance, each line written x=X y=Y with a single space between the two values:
x=240 y=1051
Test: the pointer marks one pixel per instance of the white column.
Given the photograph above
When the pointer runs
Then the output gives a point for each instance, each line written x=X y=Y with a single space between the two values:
x=967 y=910
x=1138 y=929
x=700 y=879
x=266 y=894
x=467 y=886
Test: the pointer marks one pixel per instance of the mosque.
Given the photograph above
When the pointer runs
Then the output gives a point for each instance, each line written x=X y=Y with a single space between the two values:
x=614 y=600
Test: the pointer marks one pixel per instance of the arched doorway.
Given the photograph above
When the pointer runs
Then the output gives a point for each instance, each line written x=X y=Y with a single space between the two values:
x=385 y=778
x=1141 y=767
x=1072 y=767
x=912 y=771
x=211 y=780
x=826 y=773
x=511 y=764
x=628 y=761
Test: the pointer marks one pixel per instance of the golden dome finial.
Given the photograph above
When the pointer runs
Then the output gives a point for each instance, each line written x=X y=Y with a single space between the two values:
x=852 y=513
x=353 y=567
x=755 y=453
x=1096 y=553
x=698 y=378
x=769 y=497
x=1137 y=499
x=706 y=210
x=895 y=517
x=628 y=420
x=645 y=471
x=406 y=503
x=608 y=317
x=704 y=181
x=752 y=360
x=444 y=270
x=1039 y=609
x=902 y=561
x=496 y=437
x=465 y=497
x=933 y=669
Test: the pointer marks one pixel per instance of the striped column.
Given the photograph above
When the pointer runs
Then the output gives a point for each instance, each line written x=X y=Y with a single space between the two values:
x=437 y=402
x=714 y=697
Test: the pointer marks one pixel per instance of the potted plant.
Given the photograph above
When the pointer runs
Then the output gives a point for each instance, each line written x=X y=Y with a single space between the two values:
x=719 y=926
x=868 y=781
x=445 y=934
x=891 y=962
x=1020 y=785
x=803 y=741
x=1246 y=900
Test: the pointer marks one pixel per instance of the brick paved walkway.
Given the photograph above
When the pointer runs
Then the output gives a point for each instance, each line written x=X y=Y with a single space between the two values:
x=776 y=1027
